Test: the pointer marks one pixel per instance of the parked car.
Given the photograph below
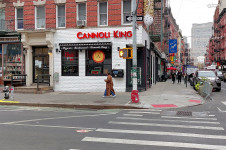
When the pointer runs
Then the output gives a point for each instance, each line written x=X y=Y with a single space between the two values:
x=220 y=75
x=215 y=81
x=224 y=76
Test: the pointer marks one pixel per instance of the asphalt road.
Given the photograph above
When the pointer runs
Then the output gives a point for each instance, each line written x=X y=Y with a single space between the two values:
x=33 y=128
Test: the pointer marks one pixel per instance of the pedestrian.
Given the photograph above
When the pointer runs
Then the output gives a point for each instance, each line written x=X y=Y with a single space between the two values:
x=109 y=86
x=179 y=75
x=173 y=76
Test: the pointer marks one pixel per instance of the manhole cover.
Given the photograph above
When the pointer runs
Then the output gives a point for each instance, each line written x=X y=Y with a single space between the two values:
x=184 y=113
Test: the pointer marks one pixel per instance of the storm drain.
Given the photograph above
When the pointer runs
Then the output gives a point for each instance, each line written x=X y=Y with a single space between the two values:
x=184 y=113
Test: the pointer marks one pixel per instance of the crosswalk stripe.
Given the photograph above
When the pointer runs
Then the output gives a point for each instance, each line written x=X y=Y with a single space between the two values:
x=163 y=133
x=143 y=112
x=189 y=118
x=223 y=102
x=134 y=115
x=167 y=120
x=166 y=125
x=154 y=143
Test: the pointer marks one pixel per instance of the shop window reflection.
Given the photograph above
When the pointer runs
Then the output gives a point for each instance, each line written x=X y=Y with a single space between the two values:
x=12 y=61
x=98 y=62
x=69 y=62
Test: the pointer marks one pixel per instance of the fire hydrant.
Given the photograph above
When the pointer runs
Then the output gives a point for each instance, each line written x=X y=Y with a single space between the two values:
x=135 y=96
x=6 y=91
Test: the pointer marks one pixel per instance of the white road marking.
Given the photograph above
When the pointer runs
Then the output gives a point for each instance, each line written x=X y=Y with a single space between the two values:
x=163 y=133
x=143 y=112
x=166 y=125
x=48 y=126
x=54 y=118
x=13 y=110
x=154 y=143
x=189 y=121
x=223 y=102
x=133 y=115
x=220 y=110
x=189 y=118
x=211 y=115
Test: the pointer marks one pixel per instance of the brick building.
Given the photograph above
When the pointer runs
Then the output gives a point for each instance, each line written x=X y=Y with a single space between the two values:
x=77 y=40
x=216 y=52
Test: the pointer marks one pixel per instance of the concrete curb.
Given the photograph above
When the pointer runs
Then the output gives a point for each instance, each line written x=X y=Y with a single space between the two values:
x=73 y=106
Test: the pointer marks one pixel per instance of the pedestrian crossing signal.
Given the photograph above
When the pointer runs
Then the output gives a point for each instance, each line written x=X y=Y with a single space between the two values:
x=126 y=53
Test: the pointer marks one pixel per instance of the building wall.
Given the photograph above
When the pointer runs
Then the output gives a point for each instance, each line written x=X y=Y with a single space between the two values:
x=200 y=37
x=84 y=83
x=114 y=13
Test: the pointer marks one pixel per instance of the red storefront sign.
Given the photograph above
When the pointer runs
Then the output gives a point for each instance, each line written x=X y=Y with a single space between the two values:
x=116 y=34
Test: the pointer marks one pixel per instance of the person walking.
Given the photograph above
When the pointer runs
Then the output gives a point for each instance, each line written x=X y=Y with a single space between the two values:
x=109 y=86
x=179 y=75
x=173 y=76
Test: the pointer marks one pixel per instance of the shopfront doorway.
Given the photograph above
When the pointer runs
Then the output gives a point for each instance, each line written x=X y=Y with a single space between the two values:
x=40 y=64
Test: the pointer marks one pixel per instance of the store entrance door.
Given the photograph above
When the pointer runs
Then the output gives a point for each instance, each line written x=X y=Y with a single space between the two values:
x=40 y=64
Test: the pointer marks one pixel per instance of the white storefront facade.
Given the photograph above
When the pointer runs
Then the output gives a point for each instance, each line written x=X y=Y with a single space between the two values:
x=74 y=55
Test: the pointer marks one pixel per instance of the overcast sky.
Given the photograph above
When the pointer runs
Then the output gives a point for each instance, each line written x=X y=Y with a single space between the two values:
x=187 y=12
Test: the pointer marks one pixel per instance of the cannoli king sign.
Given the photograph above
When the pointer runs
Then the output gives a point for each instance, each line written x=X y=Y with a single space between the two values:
x=115 y=34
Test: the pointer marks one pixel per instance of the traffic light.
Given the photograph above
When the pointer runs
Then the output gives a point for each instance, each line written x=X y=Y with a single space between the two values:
x=126 y=53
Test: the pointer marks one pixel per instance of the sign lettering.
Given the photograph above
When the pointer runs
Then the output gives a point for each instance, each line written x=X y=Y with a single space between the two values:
x=115 y=34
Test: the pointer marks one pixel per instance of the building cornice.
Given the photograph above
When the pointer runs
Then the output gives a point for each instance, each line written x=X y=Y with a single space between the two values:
x=39 y=2
x=79 y=1
x=18 y=4
x=2 y=5
x=60 y=1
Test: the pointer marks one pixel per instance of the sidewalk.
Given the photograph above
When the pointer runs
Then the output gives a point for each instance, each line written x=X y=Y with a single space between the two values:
x=161 y=95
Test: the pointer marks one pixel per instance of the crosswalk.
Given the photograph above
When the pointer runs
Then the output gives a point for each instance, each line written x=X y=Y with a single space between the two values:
x=153 y=131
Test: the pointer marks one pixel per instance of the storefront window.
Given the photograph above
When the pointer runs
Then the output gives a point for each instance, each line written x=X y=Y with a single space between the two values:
x=13 y=60
x=69 y=62
x=98 y=62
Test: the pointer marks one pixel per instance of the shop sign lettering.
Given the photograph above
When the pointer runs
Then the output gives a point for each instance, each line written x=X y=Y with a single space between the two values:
x=115 y=34
x=69 y=56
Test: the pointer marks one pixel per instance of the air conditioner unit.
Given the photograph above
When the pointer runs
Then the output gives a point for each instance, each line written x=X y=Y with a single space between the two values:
x=81 y=23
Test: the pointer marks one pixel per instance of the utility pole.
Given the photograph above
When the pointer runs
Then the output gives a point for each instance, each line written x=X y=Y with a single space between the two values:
x=134 y=93
x=134 y=45
x=186 y=72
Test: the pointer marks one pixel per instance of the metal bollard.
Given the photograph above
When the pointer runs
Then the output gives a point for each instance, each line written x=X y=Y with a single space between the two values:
x=12 y=93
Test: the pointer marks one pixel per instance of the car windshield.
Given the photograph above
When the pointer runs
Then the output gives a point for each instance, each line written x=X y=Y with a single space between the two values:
x=206 y=74
x=219 y=73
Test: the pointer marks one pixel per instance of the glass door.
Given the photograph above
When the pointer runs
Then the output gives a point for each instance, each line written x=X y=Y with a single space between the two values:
x=41 y=65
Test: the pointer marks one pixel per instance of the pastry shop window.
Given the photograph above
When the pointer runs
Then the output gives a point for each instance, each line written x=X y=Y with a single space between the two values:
x=98 y=62
x=69 y=62
x=13 y=61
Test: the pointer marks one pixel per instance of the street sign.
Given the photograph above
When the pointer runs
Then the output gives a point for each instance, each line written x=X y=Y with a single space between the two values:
x=172 y=45
x=130 y=18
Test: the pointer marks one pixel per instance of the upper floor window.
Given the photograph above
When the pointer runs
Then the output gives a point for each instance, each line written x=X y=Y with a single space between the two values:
x=81 y=15
x=126 y=10
x=40 y=17
x=60 y=15
x=2 y=18
x=82 y=11
x=19 y=18
x=103 y=17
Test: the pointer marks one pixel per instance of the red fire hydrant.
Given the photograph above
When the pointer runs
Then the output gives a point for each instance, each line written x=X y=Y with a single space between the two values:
x=135 y=96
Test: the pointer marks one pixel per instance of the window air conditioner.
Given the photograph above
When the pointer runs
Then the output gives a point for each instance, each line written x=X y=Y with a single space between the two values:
x=81 y=23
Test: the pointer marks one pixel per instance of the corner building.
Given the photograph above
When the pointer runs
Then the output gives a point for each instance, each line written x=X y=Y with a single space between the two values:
x=76 y=42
